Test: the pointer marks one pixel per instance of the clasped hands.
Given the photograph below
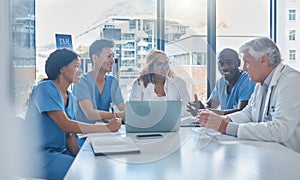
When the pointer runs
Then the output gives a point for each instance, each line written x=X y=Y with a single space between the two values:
x=207 y=118
x=210 y=119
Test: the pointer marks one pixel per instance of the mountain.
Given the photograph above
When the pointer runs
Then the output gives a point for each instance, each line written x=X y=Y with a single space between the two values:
x=129 y=8
x=193 y=15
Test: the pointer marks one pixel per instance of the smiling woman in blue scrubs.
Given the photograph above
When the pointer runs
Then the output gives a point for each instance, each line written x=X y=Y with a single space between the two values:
x=51 y=116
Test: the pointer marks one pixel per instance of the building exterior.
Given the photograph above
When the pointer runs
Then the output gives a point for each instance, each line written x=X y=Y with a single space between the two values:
x=189 y=61
x=134 y=38
x=24 y=59
x=288 y=31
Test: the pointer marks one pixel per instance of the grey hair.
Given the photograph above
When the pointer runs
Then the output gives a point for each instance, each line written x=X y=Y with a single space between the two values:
x=263 y=46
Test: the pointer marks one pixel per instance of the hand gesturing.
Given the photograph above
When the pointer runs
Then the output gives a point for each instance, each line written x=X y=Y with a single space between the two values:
x=193 y=107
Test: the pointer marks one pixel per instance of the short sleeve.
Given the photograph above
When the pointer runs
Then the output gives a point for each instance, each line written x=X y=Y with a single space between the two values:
x=246 y=89
x=82 y=90
x=47 y=97
x=117 y=97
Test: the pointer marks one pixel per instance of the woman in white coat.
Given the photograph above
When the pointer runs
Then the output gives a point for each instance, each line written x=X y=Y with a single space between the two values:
x=158 y=82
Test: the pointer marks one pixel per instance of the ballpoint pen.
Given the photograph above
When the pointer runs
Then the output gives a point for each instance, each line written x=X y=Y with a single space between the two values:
x=114 y=114
x=113 y=111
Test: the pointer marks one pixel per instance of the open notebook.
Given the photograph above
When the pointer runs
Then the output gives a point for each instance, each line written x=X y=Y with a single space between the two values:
x=113 y=145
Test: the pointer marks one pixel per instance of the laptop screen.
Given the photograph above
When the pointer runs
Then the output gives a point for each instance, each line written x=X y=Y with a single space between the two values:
x=152 y=116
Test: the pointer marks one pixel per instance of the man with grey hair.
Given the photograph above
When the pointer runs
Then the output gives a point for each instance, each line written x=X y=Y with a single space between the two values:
x=272 y=111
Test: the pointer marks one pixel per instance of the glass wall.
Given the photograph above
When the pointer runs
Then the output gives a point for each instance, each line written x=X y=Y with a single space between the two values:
x=186 y=44
x=238 y=21
x=23 y=50
x=131 y=24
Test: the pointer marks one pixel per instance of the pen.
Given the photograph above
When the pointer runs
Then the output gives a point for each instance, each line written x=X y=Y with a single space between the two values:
x=113 y=111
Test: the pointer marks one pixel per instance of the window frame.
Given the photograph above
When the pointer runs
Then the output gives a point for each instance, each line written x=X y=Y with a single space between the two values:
x=292 y=14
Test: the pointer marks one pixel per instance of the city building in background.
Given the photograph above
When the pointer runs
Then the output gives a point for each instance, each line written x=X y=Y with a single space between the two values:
x=189 y=61
x=23 y=62
x=134 y=38
x=135 y=35
x=288 y=31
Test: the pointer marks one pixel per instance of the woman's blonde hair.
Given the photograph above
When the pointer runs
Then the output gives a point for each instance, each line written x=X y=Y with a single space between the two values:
x=147 y=74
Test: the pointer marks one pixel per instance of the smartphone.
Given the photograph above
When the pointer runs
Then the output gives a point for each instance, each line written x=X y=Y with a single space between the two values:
x=149 y=136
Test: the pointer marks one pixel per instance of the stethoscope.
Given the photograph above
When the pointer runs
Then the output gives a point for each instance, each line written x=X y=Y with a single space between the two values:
x=272 y=108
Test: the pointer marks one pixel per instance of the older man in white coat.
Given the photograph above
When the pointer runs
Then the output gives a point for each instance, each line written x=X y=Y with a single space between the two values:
x=272 y=113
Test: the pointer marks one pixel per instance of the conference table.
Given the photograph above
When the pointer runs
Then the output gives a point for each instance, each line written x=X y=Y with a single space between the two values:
x=190 y=153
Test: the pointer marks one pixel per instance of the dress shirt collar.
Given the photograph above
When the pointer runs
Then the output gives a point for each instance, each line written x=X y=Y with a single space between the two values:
x=267 y=81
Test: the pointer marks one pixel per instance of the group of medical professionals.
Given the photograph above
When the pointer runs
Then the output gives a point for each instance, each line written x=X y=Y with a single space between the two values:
x=258 y=101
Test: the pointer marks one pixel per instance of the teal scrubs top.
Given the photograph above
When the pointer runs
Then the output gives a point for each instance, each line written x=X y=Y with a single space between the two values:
x=87 y=89
x=241 y=91
x=47 y=148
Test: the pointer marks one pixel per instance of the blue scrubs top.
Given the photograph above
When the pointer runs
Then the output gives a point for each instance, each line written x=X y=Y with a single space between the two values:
x=103 y=101
x=49 y=143
x=87 y=89
x=241 y=91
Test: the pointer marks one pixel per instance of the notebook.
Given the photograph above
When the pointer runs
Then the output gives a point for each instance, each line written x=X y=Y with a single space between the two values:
x=152 y=116
x=113 y=145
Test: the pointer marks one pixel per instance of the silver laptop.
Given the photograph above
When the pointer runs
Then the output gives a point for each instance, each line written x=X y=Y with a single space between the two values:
x=152 y=116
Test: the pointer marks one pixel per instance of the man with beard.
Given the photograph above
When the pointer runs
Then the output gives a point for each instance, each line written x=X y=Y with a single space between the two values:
x=232 y=90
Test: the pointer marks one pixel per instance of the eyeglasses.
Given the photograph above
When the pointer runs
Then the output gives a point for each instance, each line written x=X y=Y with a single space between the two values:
x=162 y=64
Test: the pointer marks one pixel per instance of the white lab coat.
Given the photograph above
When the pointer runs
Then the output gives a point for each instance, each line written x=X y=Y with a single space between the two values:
x=175 y=89
x=280 y=120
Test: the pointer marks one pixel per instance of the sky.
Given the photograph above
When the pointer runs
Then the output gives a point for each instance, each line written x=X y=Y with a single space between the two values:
x=76 y=16
x=66 y=16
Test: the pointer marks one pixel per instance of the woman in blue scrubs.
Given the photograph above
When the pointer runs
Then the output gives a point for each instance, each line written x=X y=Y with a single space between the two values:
x=50 y=120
